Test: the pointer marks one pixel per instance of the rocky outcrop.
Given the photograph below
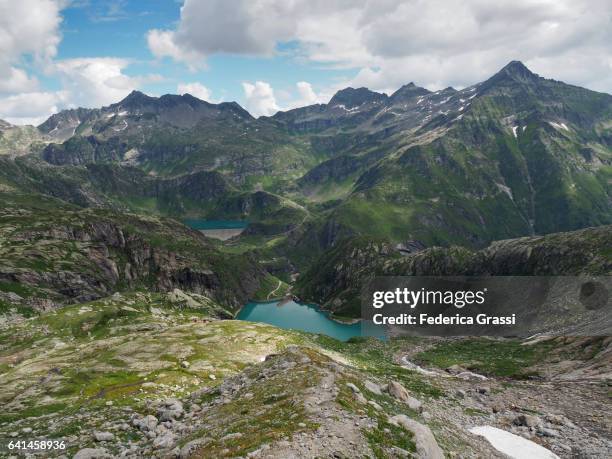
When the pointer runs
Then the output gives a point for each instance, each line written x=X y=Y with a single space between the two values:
x=86 y=255
x=336 y=279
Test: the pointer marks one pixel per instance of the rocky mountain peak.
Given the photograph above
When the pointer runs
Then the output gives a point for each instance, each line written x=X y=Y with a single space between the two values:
x=517 y=72
x=135 y=100
x=351 y=97
x=408 y=91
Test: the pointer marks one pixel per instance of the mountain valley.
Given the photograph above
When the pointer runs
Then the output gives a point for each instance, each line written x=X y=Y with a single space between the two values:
x=117 y=330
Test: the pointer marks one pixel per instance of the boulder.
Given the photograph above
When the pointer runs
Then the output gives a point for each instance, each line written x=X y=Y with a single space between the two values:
x=146 y=424
x=170 y=409
x=527 y=420
x=545 y=432
x=191 y=447
x=177 y=296
x=372 y=387
x=399 y=392
x=426 y=444
x=353 y=387
x=103 y=436
x=166 y=440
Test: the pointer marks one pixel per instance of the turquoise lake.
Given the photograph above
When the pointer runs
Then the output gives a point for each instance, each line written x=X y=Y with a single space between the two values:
x=297 y=316
x=198 y=224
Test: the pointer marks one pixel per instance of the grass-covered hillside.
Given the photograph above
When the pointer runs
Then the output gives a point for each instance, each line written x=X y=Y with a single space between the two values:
x=515 y=155
x=158 y=374
x=54 y=253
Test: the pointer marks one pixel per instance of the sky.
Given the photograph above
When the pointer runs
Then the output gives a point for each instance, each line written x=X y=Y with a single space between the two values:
x=271 y=55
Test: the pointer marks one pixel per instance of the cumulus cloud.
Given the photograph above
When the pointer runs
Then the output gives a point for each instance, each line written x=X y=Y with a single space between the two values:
x=27 y=28
x=31 y=107
x=14 y=80
x=86 y=82
x=260 y=98
x=93 y=82
x=217 y=26
x=29 y=37
x=435 y=43
x=306 y=95
x=162 y=44
x=195 y=89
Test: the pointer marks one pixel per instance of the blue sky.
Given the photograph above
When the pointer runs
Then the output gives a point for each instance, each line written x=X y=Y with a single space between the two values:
x=271 y=55
x=119 y=29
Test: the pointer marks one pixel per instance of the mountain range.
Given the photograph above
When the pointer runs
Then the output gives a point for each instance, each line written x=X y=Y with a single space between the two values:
x=515 y=155
x=114 y=330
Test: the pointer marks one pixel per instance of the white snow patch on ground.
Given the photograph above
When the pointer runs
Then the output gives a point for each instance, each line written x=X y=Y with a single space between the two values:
x=504 y=188
x=512 y=445
x=558 y=126
x=343 y=107
x=413 y=366
x=122 y=128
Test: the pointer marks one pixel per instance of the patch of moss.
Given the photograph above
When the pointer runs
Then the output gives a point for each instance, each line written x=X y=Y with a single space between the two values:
x=504 y=358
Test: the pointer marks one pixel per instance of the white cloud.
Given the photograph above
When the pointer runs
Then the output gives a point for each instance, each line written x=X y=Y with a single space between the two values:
x=306 y=96
x=217 y=26
x=29 y=37
x=435 y=43
x=14 y=80
x=31 y=108
x=93 y=82
x=260 y=99
x=86 y=82
x=162 y=44
x=27 y=28
x=195 y=89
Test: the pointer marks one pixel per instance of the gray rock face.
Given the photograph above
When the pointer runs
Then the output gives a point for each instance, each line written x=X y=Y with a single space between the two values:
x=352 y=262
x=426 y=444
